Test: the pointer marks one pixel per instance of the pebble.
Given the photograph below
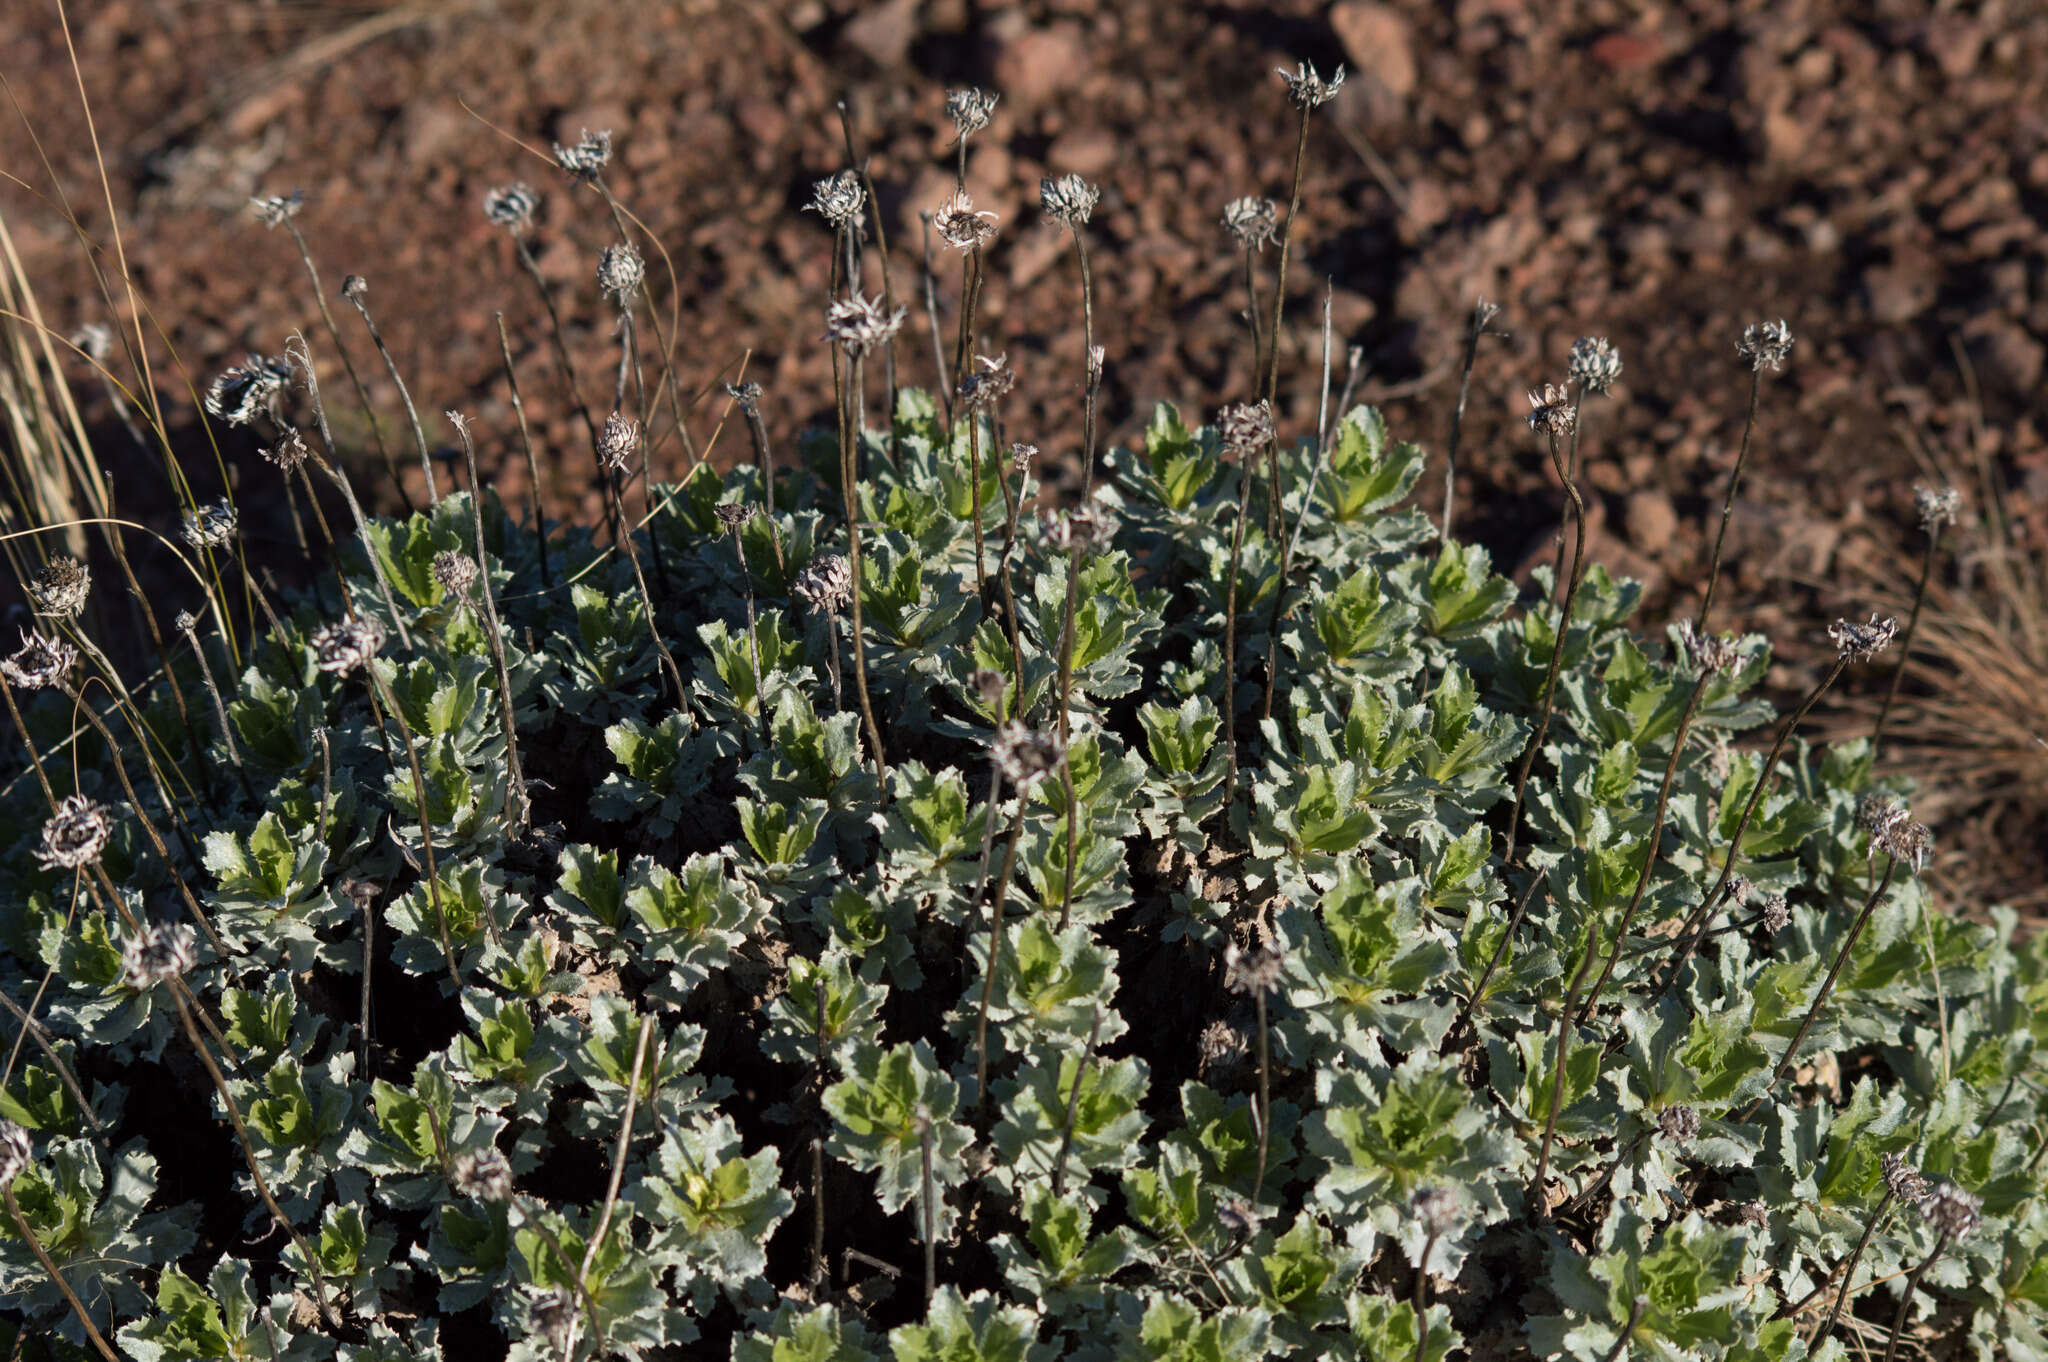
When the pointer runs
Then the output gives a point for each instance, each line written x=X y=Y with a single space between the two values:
x=1379 y=43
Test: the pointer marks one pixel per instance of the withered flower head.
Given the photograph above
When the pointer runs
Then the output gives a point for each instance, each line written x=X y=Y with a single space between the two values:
x=1594 y=364
x=1902 y=1179
x=960 y=226
x=59 y=589
x=1679 y=1124
x=456 y=572
x=1713 y=654
x=747 y=395
x=209 y=527
x=157 y=954
x=1309 y=90
x=733 y=514
x=989 y=383
x=861 y=325
x=1068 y=200
x=1253 y=971
x=1253 y=220
x=1247 y=428
x=1765 y=345
x=1551 y=411
x=1021 y=455
x=1777 y=915
x=838 y=198
x=240 y=394
x=989 y=685
x=618 y=441
x=277 y=209
x=1436 y=1210
x=75 y=834
x=512 y=206
x=15 y=1151
x=1089 y=528
x=481 y=1174
x=1936 y=507
x=970 y=109
x=825 y=584
x=1861 y=642
x=588 y=158
x=620 y=272
x=346 y=644
x=288 y=453
x=1024 y=756
x=42 y=661
x=1951 y=1210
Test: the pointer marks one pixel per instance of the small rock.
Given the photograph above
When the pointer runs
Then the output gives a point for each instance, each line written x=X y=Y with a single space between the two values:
x=1039 y=63
x=1651 y=520
x=1901 y=290
x=2008 y=357
x=882 y=32
x=1627 y=51
x=1087 y=152
x=1379 y=43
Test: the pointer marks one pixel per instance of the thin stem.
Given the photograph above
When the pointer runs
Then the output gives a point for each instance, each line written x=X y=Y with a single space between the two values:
x=1564 y=1026
x=354 y=290
x=1059 y=1163
x=348 y=363
x=611 y=1192
x=1564 y=629
x=1578 y=400
x=1422 y=1299
x=1621 y=1156
x=419 y=791
x=1756 y=383
x=1482 y=314
x=1265 y=1094
x=974 y=486
x=28 y=1236
x=1244 y=498
x=867 y=184
x=1635 y=1317
x=1286 y=541
x=1251 y=315
x=1066 y=729
x=995 y=953
x=28 y=744
x=568 y=366
x=820 y=1265
x=540 y=525
x=1091 y=381
x=931 y=313
x=1848 y=1273
x=1906 y=1299
x=1280 y=274
x=33 y=1030
x=220 y=711
x=522 y=804
x=1891 y=693
x=739 y=549
x=764 y=456
x=850 y=499
x=928 y=1204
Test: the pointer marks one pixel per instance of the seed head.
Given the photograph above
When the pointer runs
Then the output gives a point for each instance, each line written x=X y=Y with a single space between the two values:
x=209 y=527
x=238 y=395
x=1021 y=455
x=1936 y=508
x=512 y=206
x=550 y=1315
x=96 y=340
x=456 y=572
x=970 y=109
x=1024 y=756
x=288 y=453
x=1712 y=654
x=1068 y=200
x=989 y=685
x=41 y=662
x=860 y=324
x=355 y=288
x=1904 y=840
x=75 y=834
x=733 y=514
x=159 y=953
x=1247 y=428
x=960 y=226
x=1223 y=1046
x=60 y=588
x=1237 y=1216
x=587 y=159
x=747 y=395
x=1739 y=889
x=1436 y=1210
x=825 y=584
x=1764 y=345
x=346 y=644
x=1951 y=1210
x=15 y=1152
x=839 y=198
x=275 y=210
x=1309 y=90
x=185 y=622
x=1902 y=1179
x=1252 y=971
x=1087 y=529
x=1254 y=221
x=1679 y=1124
x=1594 y=364
x=1551 y=411
x=1777 y=915
x=482 y=1174
x=620 y=272
x=618 y=442
x=1861 y=642
x=989 y=384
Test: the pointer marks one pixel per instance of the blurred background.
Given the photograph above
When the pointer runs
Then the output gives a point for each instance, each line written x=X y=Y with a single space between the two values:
x=1661 y=174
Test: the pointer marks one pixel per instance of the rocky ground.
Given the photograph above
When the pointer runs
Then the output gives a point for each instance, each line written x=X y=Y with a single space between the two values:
x=1659 y=173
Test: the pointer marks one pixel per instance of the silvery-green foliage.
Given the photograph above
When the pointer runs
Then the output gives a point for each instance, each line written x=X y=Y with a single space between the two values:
x=808 y=945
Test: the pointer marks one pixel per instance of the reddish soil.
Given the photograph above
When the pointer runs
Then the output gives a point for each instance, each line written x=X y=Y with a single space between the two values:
x=1662 y=174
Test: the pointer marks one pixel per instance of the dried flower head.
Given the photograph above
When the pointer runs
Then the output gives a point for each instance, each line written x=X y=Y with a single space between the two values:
x=733 y=514
x=1253 y=971
x=747 y=395
x=825 y=584
x=1247 y=428
x=456 y=572
x=1237 y=1217
x=1679 y=1124
x=1765 y=345
x=1951 y=1210
x=1753 y=1214
x=1087 y=529
x=1877 y=810
x=618 y=442
x=1861 y=642
x=1068 y=200
x=1309 y=90
x=238 y=395
x=15 y=1152
x=157 y=954
x=346 y=644
x=988 y=384
x=59 y=589
x=1776 y=915
x=1021 y=455
x=970 y=109
x=861 y=325
x=209 y=527
x=288 y=453
x=839 y=198
x=550 y=1315
x=960 y=226
x=1254 y=221
x=1223 y=1046
x=274 y=210
x=1936 y=507
x=1551 y=411
x=620 y=272
x=1739 y=889
x=587 y=159
x=482 y=1174
x=42 y=661
x=1903 y=840
x=355 y=288
x=512 y=207
x=185 y=622
x=1902 y=1179
x=95 y=340
x=1712 y=654
x=75 y=834
x=1436 y=1210
x=1025 y=756
x=989 y=685
x=1594 y=364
